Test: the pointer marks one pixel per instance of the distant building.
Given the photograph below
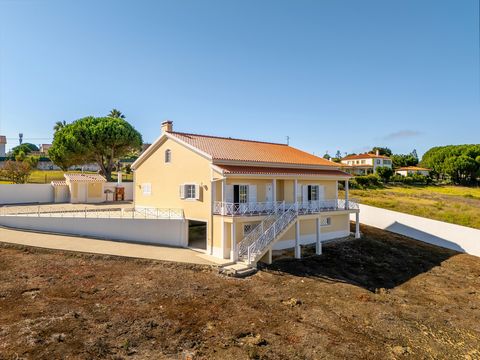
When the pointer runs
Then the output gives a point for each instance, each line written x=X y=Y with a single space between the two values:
x=3 y=143
x=411 y=170
x=363 y=164
x=44 y=148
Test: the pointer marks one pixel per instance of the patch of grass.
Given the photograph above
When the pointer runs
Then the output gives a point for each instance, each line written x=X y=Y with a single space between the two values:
x=454 y=204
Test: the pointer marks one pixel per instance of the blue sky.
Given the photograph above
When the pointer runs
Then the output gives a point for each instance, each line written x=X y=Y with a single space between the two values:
x=332 y=75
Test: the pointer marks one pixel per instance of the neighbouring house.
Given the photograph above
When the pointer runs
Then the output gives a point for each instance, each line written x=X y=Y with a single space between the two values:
x=3 y=143
x=364 y=164
x=79 y=188
x=412 y=170
x=44 y=148
x=243 y=198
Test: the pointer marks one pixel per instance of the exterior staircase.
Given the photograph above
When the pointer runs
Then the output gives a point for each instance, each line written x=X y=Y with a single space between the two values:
x=256 y=244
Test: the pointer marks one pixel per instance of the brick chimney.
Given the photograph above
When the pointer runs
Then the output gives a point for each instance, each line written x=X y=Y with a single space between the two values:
x=167 y=126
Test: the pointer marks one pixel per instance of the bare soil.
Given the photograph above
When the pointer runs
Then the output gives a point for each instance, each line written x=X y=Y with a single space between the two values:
x=382 y=297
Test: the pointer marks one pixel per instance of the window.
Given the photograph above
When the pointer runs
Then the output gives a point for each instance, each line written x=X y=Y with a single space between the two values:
x=363 y=161
x=147 y=189
x=312 y=192
x=247 y=229
x=378 y=161
x=168 y=155
x=189 y=191
x=326 y=221
x=240 y=194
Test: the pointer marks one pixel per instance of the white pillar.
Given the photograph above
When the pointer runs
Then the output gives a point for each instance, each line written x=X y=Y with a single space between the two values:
x=295 y=193
x=224 y=237
x=357 y=225
x=119 y=178
x=224 y=192
x=318 y=248
x=274 y=190
x=298 y=251
x=269 y=256
x=233 y=248
x=346 y=195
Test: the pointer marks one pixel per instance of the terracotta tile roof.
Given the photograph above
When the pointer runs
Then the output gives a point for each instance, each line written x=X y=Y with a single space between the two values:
x=257 y=170
x=365 y=156
x=413 y=168
x=3 y=139
x=222 y=148
x=80 y=177
x=59 y=183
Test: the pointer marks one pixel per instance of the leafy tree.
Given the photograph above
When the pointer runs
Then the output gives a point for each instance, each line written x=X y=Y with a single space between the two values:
x=455 y=162
x=117 y=114
x=381 y=150
x=16 y=171
x=103 y=140
x=338 y=154
x=385 y=173
x=59 y=124
x=26 y=148
x=326 y=156
x=401 y=160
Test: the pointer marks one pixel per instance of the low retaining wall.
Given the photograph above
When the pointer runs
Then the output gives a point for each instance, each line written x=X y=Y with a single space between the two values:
x=451 y=236
x=25 y=193
x=170 y=232
x=43 y=193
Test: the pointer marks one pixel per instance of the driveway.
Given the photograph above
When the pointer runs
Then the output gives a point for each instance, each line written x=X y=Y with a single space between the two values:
x=105 y=247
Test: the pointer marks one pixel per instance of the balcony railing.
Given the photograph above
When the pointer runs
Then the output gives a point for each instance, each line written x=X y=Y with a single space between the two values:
x=266 y=208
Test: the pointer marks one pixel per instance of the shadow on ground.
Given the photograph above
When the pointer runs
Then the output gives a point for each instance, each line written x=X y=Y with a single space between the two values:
x=376 y=261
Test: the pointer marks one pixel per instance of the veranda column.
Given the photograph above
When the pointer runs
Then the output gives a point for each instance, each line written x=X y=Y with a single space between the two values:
x=298 y=251
x=224 y=193
x=346 y=195
x=233 y=249
x=295 y=193
x=318 y=248
x=223 y=210
x=274 y=191
x=357 y=225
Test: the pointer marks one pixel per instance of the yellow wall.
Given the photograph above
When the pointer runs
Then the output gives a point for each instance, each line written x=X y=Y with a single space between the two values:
x=284 y=187
x=95 y=190
x=186 y=166
x=308 y=226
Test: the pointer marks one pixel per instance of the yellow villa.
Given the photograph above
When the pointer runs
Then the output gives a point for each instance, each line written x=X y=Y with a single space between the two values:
x=243 y=198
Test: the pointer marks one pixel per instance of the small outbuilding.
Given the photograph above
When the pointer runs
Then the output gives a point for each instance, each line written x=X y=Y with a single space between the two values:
x=411 y=170
x=79 y=188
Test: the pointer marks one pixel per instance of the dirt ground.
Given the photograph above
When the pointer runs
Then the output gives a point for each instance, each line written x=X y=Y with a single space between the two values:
x=381 y=297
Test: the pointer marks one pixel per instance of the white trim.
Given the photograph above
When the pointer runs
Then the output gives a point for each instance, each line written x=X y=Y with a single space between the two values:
x=274 y=164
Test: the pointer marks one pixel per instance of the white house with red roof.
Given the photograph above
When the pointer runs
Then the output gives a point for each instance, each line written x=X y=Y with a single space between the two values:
x=363 y=164
x=244 y=198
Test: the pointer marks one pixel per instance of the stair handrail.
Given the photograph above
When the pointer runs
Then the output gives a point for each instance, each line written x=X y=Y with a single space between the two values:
x=243 y=245
x=271 y=233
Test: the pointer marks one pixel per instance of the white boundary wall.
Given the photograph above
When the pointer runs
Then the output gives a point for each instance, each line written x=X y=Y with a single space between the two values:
x=170 y=232
x=43 y=193
x=451 y=236
x=25 y=193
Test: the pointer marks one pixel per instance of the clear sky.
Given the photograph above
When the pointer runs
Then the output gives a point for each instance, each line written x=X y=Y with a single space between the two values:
x=331 y=74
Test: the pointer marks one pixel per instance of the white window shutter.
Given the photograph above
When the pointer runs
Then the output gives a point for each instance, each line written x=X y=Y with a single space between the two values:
x=305 y=193
x=182 y=191
x=252 y=193
x=321 y=192
x=197 y=192
x=229 y=194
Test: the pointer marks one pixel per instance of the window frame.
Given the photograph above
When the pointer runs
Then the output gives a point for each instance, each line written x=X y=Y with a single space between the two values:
x=190 y=189
x=168 y=156
x=146 y=189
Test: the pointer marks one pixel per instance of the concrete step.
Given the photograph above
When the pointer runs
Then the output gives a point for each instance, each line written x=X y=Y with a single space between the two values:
x=237 y=270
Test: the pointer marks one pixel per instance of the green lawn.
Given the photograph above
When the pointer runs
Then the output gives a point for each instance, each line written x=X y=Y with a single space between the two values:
x=453 y=204
x=46 y=176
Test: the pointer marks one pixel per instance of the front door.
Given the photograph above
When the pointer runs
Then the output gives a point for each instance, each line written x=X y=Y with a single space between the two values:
x=269 y=197
x=240 y=198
